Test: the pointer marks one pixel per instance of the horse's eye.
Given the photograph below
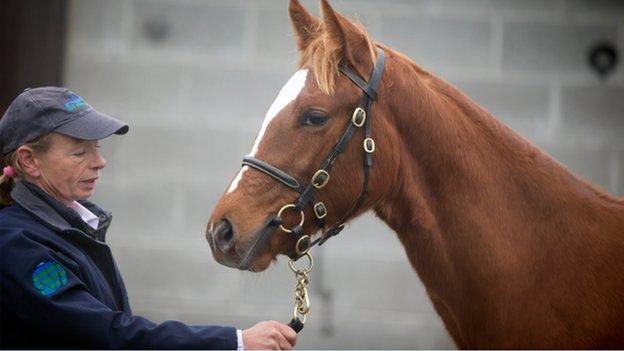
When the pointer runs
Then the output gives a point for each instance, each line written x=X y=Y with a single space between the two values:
x=315 y=119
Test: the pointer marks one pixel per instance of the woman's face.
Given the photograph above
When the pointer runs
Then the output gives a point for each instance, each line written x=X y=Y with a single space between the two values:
x=69 y=169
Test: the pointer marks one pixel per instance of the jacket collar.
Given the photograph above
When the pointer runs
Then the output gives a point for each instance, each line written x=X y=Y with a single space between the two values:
x=56 y=215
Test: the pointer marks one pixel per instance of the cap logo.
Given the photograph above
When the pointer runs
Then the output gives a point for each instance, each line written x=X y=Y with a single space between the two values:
x=75 y=102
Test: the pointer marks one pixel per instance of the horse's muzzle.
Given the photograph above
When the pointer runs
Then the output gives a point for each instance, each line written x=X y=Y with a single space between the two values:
x=222 y=240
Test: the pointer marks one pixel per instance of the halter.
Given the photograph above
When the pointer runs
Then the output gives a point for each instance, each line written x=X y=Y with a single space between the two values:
x=361 y=118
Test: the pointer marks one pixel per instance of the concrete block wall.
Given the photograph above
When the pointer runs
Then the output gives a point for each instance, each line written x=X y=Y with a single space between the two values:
x=195 y=78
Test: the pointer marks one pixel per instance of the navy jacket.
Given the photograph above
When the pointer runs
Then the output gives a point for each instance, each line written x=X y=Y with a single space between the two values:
x=60 y=287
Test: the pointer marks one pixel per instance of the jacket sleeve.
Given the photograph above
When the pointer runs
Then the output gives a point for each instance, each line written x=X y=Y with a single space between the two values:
x=42 y=288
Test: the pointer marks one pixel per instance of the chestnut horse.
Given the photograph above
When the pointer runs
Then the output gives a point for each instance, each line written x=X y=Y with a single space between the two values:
x=514 y=250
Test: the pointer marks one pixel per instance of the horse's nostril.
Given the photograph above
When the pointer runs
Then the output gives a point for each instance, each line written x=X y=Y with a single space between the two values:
x=224 y=235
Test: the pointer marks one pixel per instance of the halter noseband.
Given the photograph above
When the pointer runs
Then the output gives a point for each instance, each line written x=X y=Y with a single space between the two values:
x=362 y=117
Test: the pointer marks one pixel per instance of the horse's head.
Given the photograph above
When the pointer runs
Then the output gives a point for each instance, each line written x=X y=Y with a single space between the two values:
x=300 y=131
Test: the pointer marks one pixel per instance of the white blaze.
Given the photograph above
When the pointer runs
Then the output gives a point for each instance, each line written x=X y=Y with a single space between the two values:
x=289 y=92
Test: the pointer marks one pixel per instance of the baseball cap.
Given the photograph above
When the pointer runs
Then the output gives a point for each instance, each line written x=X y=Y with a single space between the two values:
x=39 y=111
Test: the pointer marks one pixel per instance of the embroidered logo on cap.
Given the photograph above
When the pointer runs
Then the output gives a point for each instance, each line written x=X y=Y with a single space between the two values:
x=48 y=277
x=75 y=102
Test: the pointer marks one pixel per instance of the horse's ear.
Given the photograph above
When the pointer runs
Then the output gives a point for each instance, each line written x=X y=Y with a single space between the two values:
x=348 y=40
x=306 y=26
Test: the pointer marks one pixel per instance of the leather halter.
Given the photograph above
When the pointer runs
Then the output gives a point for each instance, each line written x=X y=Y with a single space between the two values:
x=362 y=117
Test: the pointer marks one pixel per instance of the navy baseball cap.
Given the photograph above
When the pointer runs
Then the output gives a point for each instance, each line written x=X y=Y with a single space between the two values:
x=39 y=111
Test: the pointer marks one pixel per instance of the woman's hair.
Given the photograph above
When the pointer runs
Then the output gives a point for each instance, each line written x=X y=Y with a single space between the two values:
x=39 y=145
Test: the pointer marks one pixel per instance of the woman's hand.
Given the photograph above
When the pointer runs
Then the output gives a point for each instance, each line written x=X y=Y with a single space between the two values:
x=269 y=335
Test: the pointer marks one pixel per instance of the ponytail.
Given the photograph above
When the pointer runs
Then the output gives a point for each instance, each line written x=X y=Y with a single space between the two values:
x=39 y=146
x=6 y=183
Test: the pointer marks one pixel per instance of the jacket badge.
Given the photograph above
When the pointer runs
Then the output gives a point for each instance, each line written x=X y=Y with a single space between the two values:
x=48 y=277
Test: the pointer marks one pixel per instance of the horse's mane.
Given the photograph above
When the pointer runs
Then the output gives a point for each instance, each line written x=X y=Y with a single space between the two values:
x=491 y=125
x=325 y=56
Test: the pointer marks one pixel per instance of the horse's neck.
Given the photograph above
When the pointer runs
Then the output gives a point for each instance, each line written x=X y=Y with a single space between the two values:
x=475 y=202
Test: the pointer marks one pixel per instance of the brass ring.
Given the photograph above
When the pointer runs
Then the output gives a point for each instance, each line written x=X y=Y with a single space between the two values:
x=307 y=240
x=279 y=214
x=307 y=270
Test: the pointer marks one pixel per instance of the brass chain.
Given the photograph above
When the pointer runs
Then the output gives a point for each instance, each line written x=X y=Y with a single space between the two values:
x=302 y=298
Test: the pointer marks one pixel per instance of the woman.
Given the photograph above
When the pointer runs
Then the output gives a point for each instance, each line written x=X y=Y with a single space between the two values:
x=60 y=287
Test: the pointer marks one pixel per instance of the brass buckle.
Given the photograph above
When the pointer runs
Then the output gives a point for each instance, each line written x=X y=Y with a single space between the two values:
x=319 y=173
x=320 y=211
x=369 y=145
x=359 y=117
x=279 y=214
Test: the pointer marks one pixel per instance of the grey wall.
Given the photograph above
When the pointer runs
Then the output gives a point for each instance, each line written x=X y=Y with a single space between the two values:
x=196 y=98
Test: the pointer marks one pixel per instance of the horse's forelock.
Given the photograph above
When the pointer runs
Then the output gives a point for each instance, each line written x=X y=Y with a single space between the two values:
x=324 y=55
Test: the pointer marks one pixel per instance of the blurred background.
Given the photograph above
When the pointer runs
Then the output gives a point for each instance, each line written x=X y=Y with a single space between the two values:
x=194 y=80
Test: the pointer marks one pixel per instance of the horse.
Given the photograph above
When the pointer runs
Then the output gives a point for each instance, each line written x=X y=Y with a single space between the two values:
x=515 y=251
